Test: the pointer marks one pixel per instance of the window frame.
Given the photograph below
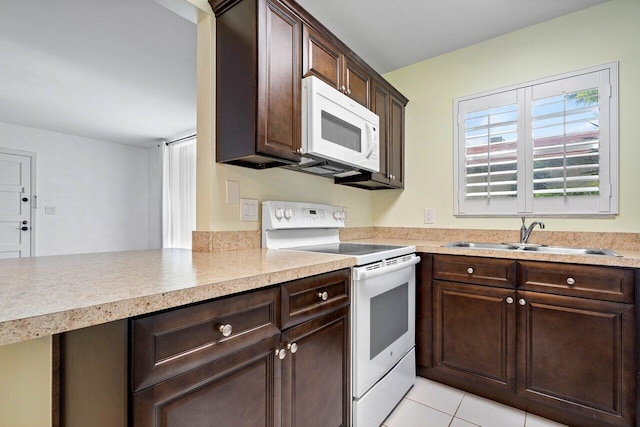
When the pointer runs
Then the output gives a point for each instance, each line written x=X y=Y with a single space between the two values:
x=524 y=203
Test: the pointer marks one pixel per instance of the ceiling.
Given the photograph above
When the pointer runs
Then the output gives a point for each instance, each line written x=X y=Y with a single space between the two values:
x=392 y=34
x=117 y=70
x=125 y=70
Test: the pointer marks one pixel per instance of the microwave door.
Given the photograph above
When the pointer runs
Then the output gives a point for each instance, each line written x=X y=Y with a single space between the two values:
x=352 y=141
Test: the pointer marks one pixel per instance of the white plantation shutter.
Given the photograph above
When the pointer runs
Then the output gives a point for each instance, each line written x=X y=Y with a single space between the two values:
x=489 y=129
x=491 y=155
x=566 y=145
x=547 y=147
x=570 y=144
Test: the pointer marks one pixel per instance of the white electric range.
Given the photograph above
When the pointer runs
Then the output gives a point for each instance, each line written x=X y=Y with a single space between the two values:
x=382 y=306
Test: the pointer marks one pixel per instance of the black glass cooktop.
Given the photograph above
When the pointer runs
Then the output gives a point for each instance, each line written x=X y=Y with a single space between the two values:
x=347 y=248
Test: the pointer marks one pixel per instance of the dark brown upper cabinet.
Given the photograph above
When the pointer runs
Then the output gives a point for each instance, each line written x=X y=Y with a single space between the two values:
x=264 y=49
x=257 y=84
x=324 y=58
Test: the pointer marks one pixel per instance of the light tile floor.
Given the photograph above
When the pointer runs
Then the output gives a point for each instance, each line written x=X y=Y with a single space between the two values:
x=431 y=404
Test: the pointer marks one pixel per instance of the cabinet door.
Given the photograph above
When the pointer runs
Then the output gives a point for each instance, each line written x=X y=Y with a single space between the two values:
x=316 y=377
x=474 y=333
x=396 y=142
x=424 y=318
x=240 y=389
x=278 y=127
x=320 y=57
x=380 y=104
x=356 y=81
x=578 y=355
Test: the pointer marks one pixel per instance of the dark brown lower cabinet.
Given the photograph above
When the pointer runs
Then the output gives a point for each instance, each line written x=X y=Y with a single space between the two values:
x=230 y=362
x=474 y=333
x=315 y=386
x=240 y=389
x=555 y=353
x=577 y=354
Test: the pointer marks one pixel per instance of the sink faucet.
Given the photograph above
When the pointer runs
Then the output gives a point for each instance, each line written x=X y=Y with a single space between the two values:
x=525 y=232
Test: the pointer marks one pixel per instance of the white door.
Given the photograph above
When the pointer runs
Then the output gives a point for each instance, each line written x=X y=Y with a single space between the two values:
x=15 y=206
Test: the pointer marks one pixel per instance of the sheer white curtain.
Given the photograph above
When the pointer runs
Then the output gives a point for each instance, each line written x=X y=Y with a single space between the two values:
x=179 y=194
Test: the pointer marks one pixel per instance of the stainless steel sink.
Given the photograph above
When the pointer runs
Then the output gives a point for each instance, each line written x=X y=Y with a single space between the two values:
x=489 y=246
x=572 y=251
x=527 y=247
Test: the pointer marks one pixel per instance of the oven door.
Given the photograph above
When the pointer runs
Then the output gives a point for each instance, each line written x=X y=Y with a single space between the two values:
x=383 y=319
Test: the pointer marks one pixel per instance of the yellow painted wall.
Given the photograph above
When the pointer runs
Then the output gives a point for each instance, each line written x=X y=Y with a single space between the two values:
x=601 y=34
x=273 y=184
x=25 y=383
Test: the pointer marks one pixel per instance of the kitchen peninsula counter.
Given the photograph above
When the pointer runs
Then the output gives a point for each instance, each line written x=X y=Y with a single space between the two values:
x=53 y=294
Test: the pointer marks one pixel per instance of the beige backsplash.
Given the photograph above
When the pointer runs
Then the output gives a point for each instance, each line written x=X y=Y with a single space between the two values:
x=219 y=241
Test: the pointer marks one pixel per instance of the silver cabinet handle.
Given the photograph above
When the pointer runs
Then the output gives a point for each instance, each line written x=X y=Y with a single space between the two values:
x=571 y=281
x=521 y=301
x=348 y=91
x=293 y=347
x=470 y=270
x=342 y=89
x=323 y=295
x=509 y=300
x=225 y=330
x=281 y=353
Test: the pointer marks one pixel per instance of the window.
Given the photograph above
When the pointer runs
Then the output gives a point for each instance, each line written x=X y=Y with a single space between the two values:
x=547 y=147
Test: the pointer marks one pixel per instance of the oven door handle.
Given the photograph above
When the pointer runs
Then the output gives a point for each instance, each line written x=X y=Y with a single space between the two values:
x=361 y=273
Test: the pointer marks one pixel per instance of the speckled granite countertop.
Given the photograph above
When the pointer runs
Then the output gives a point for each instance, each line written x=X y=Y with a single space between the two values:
x=48 y=295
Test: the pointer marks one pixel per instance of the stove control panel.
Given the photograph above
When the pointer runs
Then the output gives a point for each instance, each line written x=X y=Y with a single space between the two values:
x=297 y=215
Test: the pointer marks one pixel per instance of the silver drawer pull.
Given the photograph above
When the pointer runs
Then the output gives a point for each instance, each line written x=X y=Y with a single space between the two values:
x=282 y=353
x=470 y=270
x=571 y=281
x=509 y=300
x=225 y=330
x=323 y=295
x=522 y=301
x=293 y=347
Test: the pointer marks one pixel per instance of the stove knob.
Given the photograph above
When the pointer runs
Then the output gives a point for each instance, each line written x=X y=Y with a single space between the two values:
x=337 y=215
x=288 y=213
x=279 y=213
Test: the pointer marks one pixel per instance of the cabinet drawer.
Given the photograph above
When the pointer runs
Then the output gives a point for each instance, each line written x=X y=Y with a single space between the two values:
x=173 y=342
x=482 y=271
x=304 y=299
x=603 y=283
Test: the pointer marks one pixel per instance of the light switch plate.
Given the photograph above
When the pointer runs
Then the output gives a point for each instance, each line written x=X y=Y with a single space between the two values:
x=248 y=210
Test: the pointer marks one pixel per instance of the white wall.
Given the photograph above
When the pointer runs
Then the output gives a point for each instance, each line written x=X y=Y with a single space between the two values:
x=100 y=191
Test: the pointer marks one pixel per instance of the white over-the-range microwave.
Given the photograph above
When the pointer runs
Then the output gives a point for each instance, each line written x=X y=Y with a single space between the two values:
x=337 y=128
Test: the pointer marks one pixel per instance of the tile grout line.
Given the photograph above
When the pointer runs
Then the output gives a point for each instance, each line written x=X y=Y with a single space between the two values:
x=458 y=408
x=456 y=411
x=427 y=406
